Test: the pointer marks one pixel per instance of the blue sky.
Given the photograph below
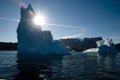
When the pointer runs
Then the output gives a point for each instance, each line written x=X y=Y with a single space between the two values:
x=83 y=18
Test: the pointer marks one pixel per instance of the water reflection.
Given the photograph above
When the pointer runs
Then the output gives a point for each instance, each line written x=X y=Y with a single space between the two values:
x=63 y=67
x=107 y=63
x=36 y=67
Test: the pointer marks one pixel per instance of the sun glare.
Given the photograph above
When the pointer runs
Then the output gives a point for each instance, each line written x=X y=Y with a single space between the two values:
x=39 y=19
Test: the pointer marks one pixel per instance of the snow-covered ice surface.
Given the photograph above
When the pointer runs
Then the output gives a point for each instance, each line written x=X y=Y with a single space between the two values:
x=91 y=50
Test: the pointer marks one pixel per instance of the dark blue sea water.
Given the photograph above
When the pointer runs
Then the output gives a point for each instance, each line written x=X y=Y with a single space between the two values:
x=77 y=66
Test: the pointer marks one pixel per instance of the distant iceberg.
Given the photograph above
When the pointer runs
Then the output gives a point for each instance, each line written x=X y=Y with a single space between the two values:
x=31 y=38
x=106 y=47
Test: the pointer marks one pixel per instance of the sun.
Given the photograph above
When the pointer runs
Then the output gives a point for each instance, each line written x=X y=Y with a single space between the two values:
x=39 y=19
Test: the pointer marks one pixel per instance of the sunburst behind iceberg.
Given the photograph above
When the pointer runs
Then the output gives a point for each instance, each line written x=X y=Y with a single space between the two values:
x=31 y=38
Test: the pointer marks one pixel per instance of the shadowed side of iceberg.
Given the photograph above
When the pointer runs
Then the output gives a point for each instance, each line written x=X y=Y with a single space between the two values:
x=57 y=46
x=107 y=50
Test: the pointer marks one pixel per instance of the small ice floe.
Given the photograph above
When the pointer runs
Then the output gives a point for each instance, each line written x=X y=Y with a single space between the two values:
x=91 y=50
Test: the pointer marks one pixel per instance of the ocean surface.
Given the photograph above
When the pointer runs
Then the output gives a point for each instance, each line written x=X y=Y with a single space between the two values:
x=76 y=66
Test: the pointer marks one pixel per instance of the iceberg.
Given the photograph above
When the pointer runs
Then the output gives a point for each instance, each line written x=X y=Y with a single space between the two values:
x=32 y=39
x=106 y=47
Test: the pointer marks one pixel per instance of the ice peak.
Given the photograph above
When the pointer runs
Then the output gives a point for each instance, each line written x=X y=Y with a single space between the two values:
x=30 y=8
x=27 y=14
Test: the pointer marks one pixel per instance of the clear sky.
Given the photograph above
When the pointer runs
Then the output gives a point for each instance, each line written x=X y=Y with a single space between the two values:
x=82 y=18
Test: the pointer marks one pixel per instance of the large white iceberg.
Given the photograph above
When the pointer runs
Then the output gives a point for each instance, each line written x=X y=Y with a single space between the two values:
x=31 y=38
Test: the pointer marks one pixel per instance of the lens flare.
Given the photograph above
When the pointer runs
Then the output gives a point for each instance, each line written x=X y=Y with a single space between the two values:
x=39 y=19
